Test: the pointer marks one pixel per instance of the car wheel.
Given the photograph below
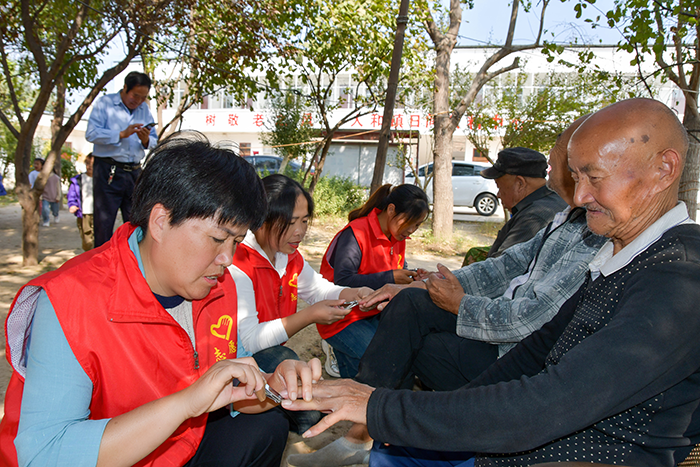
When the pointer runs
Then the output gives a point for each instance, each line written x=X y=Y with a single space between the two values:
x=486 y=204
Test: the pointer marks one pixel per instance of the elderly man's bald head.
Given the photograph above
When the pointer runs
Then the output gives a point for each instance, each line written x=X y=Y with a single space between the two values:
x=626 y=160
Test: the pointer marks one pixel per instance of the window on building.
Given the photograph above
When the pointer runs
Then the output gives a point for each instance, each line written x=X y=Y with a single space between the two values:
x=245 y=149
x=478 y=156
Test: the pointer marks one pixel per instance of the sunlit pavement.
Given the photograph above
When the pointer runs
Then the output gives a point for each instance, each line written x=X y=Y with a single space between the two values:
x=462 y=214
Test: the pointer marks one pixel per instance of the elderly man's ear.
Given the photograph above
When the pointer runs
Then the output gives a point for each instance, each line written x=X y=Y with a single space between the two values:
x=669 y=167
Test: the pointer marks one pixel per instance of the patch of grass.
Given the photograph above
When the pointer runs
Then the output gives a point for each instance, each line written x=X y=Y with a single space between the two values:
x=459 y=243
x=9 y=198
x=481 y=234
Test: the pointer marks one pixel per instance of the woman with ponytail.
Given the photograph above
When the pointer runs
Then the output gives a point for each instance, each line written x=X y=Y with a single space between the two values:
x=370 y=251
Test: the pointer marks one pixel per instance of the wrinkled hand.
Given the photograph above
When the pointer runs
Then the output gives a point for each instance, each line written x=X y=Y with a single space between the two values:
x=404 y=276
x=214 y=390
x=445 y=290
x=381 y=297
x=341 y=399
x=292 y=376
x=327 y=311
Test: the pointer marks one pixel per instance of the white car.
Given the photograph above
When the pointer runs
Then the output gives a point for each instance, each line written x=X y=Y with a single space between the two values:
x=468 y=187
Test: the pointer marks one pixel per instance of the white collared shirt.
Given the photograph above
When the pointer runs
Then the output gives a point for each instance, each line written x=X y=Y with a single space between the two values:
x=606 y=263
x=255 y=336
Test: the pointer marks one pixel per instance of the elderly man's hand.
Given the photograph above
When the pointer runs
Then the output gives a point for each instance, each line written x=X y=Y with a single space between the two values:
x=341 y=399
x=445 y=290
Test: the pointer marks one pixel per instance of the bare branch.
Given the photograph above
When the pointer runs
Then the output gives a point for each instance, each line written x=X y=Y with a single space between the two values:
x=33 y=41
x=639 y=70
x=9 y=124
x=512 y=23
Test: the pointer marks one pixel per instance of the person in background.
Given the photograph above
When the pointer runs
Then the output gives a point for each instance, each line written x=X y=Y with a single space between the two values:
x=38 y=164
x=268 y=260
x=613 y=377
x=369 y=251
x=3 y=192
x=119 y=129
x=80 y=203
x=128 y=354
x=520 y=174
x=50 y=199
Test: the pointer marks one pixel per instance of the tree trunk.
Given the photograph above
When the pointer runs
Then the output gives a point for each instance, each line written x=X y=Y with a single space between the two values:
x=30 y=225
x=319 y=164
x=443 y=199
x=29 y=200
x=688 y=189
x=383 y=146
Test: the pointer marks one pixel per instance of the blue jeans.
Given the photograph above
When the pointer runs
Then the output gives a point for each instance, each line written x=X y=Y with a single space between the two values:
x=397 y=456
x=267 y=360
x=350 y=344
x=45 y=205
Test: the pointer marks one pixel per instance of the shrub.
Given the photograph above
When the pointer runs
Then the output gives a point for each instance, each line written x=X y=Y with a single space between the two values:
x=337 y=196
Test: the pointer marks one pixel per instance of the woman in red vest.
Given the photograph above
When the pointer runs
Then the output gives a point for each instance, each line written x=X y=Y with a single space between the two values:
x=128 y=354
x=369 y=251
x=271 y=276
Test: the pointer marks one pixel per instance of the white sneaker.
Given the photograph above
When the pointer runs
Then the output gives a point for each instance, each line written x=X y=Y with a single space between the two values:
x=331 y=364
x=56 y=220
x=44 y=224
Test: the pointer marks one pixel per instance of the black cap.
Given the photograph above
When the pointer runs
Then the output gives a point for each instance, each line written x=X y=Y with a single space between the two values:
x=518 y=161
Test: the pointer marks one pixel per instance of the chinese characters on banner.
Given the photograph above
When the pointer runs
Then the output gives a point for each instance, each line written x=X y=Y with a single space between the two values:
x=246 y=121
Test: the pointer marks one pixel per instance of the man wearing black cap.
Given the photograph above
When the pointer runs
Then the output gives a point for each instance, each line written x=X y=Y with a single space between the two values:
x=520 y=175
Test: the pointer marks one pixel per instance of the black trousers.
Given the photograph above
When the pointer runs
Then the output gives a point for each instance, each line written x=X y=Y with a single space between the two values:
x=416 y=337
x=108 y=198
x=245 y=440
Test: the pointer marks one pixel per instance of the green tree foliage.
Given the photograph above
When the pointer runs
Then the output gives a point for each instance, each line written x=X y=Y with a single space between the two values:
x=57 y=46
x=225 y=46
x=339 y=37
x=442 y=23
x=534 y=119
x=290 y=128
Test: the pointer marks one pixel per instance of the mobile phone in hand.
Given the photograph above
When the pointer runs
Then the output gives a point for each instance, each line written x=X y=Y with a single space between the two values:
x=150 y=125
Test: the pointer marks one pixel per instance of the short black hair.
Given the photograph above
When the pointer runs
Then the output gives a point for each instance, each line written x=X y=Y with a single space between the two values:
x=136 y=78
x=282 y=193
x=191 y=178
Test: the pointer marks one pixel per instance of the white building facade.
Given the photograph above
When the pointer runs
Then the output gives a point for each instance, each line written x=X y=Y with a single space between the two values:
x=352 y=154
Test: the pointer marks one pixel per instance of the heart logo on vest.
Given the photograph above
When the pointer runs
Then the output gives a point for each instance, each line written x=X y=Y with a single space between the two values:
x=222 y=329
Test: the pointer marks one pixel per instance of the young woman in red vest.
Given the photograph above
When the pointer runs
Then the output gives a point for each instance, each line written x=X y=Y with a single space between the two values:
x=271 y=276
x=370 y=251
x=126 y=355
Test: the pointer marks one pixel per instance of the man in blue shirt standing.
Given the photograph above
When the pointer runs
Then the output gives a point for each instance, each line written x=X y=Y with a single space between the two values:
x=120 y=132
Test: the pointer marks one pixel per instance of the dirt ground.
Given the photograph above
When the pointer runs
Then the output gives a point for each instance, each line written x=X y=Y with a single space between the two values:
x=60 y=242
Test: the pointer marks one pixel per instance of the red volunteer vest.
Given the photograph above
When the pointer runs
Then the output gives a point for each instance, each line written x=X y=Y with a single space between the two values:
x=275 y=296
x=132 y=350
x=378 y=254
